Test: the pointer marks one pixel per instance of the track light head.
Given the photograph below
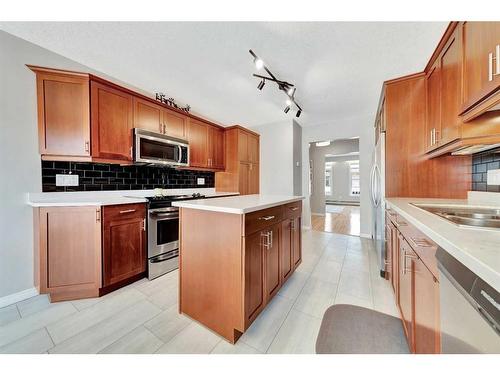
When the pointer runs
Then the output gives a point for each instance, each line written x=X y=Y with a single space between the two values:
x=287 y=108
x=259 y=64
x=261 y=84
x=288 y=102
x=298 y=113
x=291 y=91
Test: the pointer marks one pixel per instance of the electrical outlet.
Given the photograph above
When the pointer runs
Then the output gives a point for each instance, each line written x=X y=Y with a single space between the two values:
x=66 y=180
x=200 y=181
x=493 y=177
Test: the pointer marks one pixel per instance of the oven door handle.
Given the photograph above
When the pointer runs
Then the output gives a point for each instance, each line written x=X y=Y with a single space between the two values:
x=166 y=217
x=165 y=214
x=164 y=258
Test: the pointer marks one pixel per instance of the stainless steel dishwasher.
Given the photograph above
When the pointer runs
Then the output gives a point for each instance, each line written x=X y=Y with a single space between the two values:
x=470 y=309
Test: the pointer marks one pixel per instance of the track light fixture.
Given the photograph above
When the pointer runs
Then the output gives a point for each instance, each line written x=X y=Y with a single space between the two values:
x=288 y=88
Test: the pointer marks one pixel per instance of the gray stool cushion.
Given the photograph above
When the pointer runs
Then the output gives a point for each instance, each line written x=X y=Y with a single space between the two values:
x=348 y=329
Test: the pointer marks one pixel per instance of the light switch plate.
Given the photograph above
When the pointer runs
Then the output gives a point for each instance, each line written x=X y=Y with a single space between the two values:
x=66 y=180
x=493 y=177
x=200 y=181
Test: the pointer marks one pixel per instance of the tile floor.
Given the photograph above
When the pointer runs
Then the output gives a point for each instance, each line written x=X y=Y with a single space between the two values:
x=143 y=318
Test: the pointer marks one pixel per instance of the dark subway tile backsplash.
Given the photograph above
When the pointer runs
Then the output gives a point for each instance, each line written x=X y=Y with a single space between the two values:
x=98 y=177
x=481 y=164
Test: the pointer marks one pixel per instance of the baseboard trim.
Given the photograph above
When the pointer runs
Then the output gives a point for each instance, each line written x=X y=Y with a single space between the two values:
x=17 y=297
x=365 y=235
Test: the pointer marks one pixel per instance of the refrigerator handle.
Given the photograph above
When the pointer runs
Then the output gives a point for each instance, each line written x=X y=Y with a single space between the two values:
x=372 y=178
x=378 y=193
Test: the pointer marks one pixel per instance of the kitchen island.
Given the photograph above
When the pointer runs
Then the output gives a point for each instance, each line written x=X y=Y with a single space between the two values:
x=235 y=254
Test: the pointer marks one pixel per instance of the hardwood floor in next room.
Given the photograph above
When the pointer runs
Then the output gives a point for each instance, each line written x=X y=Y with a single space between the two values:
x=338 y=219
x=143 y=317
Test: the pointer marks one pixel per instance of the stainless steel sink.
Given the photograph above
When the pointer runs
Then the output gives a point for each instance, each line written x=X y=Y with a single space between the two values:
x=465 y=216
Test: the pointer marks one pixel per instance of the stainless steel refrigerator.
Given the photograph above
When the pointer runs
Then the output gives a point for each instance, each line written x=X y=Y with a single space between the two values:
x=377 y=195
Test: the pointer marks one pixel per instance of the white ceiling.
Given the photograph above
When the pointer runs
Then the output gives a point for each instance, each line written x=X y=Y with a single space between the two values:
x=338 y=68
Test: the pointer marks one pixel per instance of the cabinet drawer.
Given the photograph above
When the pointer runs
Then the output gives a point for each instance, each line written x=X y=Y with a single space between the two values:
x=124 y=211
x=293 y=209
x=258 y=220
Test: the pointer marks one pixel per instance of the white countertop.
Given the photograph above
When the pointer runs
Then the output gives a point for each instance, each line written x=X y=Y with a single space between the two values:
x=239 y=205
x=106 y=198
x=476 y=248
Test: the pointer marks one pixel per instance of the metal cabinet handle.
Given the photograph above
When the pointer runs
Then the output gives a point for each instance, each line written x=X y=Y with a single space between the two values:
x=164 y=129
x=144 y=224
x=420 y=242
x=266 y=218
x=266 y=239
x=294 y=208
x=98 y=215
x=161 y=128
x=490 y=66
x=87 y=146
x=127 y=211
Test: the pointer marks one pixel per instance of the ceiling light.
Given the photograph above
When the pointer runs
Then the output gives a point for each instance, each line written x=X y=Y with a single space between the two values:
x=291 y=91
x=261 y=84
x=288 y=102
x=287 y=108
x=298 y=113
x=323 y=144
x=259 y=64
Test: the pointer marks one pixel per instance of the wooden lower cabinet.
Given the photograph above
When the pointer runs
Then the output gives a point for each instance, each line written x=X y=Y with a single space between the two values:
x=124 y=242
x=67 y=252
x=272 y=252
x=416 y=285
x=406 y=274
x=230 y=271
x=427 y=320
x=254 y=276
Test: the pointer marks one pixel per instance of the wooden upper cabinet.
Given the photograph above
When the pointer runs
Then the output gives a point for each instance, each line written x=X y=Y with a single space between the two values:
x=175 y=124
x=124 y=242
x=451 y=88
x=433 y=123
x=147 y=116
x=253 y=178
x=479 y=41
x=198 y=144
x=253 y=148
x=427 y=319
x=63 y=113
x=111 y=120
x=215 y=148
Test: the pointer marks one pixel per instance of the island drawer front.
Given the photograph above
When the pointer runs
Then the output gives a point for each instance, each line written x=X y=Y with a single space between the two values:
x=258 y=220
x=293 y=209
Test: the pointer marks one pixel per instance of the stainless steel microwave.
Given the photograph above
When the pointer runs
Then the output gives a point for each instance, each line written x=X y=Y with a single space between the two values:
x=156 y=148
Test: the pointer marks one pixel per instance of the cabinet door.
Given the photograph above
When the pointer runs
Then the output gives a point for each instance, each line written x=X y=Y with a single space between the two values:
x=243 y=176
x=198 y=144
x=388 y=251
x=395 y=262
x=272 y=261
x=70 y=251
x=147 y=116
x=175 y=124
x=242 y=146
x=254 y=276
x=406 y=271
x=111 y=122
x=427 y=331
x=297 y=241
x=433 y=105
x=253 y=148
x=216 y=148
x=63 y=115
x=253 y=178
x=451 y=89
x=479 y=40
x=124 y=245
x=287 y=265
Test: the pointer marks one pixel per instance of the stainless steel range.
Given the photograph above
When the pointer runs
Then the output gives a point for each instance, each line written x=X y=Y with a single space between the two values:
x=163 y=233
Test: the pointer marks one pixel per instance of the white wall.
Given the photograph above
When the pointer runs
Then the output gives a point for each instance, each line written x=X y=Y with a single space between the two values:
x=276 y=155
x=297 y=158
x=341 y=187
x=361 y=126
x=20 y=165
